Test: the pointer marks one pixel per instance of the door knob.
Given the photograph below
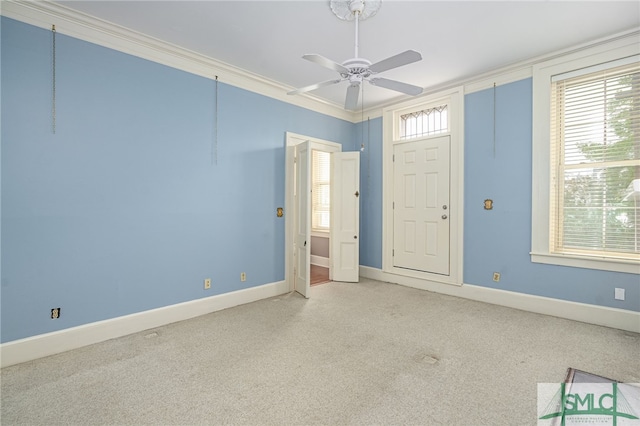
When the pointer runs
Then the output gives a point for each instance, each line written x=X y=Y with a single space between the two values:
x=355 y=237
x=444 y=216
x=444 y=207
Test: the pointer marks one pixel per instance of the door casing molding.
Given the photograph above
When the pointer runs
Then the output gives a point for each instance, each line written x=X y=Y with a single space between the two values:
x=454 y=98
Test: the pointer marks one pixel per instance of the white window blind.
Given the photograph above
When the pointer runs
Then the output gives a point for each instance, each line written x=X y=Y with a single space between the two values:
x=320 y=187
x=595 y=158
x=426 y=122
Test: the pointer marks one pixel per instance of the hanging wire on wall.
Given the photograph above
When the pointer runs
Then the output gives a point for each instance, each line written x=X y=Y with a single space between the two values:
x=362 y=120
x=53 y=80
x=214 y=143
x=362 y=210
x=494 y=120
x=368 y=154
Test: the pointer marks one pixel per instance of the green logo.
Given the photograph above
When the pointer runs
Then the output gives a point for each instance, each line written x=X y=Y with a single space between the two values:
x=593 y=403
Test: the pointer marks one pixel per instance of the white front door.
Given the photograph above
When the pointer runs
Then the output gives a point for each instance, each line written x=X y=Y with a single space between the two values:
x=302 y=225
x=421 y=205
x=345 y=217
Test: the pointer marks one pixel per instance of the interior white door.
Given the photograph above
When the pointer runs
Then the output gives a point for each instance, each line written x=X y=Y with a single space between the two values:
x=345 y=216
x=302 y=225
x=421 y=205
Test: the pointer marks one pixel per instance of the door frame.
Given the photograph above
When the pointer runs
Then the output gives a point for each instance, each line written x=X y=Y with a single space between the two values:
x=454 y=98
x=293 y=139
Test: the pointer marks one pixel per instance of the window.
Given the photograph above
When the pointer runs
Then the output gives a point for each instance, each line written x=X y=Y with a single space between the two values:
x=595 y=153
x=586 y=158
x=426 y=122
x=320 y=190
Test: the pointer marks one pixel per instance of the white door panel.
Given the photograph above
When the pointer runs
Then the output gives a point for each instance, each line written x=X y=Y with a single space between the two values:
x=421 y=203
x=303 y=219
x=345 y=216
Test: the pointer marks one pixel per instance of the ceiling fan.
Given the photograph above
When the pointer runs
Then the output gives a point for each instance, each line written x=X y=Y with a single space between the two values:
x=356 y=70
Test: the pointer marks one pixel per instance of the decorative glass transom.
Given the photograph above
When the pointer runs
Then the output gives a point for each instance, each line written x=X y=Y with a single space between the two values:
x=430 y=121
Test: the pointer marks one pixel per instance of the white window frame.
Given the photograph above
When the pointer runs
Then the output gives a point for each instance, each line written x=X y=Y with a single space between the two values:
x=610 y=51
x=315 y=230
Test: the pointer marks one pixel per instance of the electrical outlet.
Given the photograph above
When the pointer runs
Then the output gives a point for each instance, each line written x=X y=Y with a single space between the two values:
x=207 y=283
x=55 y=313
x=619 y=293
x=243 y=276
x=496 y=276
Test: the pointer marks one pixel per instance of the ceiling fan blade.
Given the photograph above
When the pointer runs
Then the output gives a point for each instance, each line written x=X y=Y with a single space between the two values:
x=327 y=63
x=351 y=102
x=314 y=87
x=398 y=86
x=396 y=61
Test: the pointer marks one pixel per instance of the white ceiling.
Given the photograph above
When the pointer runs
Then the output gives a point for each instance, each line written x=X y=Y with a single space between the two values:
x=457 y=39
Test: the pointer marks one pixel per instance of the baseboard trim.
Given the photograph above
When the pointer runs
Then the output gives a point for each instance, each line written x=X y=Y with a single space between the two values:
x=31 y=348
x=320 y=261
x=599 y=315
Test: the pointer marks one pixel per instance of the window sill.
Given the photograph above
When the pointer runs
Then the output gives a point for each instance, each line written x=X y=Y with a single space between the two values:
x=588 y=262
x=316 y=233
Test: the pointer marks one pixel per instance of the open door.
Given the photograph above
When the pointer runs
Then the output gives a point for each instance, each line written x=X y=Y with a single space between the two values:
x=302 y=226
x=345 y=217
x=345 y=207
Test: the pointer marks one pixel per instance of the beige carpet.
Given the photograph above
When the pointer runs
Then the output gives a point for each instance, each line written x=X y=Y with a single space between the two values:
x=367 y=353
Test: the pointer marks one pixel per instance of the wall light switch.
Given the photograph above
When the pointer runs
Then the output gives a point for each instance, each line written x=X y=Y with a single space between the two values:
x=619 y=294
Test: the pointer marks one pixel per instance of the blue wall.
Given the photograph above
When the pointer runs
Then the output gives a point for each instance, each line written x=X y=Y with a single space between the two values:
x=500 y=239
x=121 y=210
x=369 y=134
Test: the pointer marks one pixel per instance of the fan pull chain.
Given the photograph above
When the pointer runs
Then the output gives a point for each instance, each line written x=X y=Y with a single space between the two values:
x=362 y=117
x=53 y=79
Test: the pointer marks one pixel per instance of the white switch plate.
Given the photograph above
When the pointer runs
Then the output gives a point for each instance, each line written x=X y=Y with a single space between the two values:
x=619 y=294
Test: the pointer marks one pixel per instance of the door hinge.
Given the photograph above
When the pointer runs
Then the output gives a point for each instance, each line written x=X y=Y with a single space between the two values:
x=393 y=252
x=393 y=205
x=393 y=158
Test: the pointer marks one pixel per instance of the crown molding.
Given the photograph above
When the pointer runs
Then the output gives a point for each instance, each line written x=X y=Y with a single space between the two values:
x=524 y=69
x=79 y=25
x=513 y=72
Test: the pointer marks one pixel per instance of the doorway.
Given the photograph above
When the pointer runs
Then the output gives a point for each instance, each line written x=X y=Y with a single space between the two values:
x=344 y=212
x=320 y=214
x=427 y=246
